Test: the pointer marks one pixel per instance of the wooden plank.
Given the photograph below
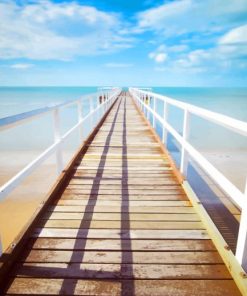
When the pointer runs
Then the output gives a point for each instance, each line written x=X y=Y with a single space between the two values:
x=169 y=185
x=111 y=245
x=130 y=157
x=118 y=173
x=121 y=271
x=120 y=234
x=131 y=203
x=49 y=286
x=123 y=191
x=119 y=217
x=126 y=169
x=119 y=197
x=130 y=182
x=113 y=257
x=134 y=179
x=111 y=209
x=82 y=224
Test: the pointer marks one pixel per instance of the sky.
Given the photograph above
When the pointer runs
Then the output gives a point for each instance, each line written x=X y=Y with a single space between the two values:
x=124 y=43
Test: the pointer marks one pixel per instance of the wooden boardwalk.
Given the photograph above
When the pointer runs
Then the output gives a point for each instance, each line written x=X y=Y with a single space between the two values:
x=122 y=225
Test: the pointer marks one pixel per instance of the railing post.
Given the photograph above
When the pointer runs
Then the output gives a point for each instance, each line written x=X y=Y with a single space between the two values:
x=241 y=250
x=165 y=117
x=79 y=110
x=57 y=138
x=154 y=121
x=91 y=111
x=184 y=156
x=148 y=103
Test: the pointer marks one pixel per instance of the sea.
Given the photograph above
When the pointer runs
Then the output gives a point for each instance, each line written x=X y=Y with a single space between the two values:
x=36 y=135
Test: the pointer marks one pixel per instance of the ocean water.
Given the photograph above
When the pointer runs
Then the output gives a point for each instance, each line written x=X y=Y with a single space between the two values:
x=203 y=134
x=38 y=134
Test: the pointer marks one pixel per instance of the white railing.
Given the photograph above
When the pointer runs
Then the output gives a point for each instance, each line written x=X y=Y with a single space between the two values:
x=105 y=99
x=187 y=150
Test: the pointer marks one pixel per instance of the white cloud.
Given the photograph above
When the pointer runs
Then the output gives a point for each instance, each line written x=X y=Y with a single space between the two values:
x=235 y=36
x=118 y=65
x=184 y=16
x=159 y=55
x=21 y=66
x=234 y=43
x=45 y=30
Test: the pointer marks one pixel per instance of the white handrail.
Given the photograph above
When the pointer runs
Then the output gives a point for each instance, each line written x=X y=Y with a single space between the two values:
x=15 y=120
x=223 y=120
x=238 y=197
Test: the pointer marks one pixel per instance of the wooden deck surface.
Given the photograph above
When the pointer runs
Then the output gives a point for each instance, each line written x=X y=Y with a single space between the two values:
x=122 y=226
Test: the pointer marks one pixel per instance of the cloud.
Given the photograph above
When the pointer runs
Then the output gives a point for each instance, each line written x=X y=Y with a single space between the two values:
x=44 y=30
x=118 y=65
x=21 y=66
x=159 y=55
x=235 y=36
x=180 y=17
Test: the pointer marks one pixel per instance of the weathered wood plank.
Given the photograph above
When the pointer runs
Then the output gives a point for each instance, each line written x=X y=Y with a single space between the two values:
x=119 y=217
x=127 y=169
x=162 y=182
x=120 y=234
x=149 y=257
x=79 y=224
x=123 y=191
x=111 y=209
x=50 y=286
x=121 y=271
x=164 y=197
x=131 y=203
x=115 y=244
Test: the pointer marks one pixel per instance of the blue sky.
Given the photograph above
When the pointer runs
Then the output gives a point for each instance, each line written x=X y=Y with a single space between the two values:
x=121 y=42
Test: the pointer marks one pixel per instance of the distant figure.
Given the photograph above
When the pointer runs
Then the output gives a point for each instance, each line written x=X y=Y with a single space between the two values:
x=147 y=100
x=100 y=99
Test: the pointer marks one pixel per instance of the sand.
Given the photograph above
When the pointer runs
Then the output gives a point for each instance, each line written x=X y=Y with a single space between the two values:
x=18 y=207
x=233 y=164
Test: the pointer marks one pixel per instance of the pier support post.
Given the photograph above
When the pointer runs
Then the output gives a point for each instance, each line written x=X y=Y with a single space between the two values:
x=184 y=156
x=241 y=251
x=57 y=138
x=165 y=117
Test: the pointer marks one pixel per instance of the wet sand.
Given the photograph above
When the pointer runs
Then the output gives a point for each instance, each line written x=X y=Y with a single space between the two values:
x=18 y=207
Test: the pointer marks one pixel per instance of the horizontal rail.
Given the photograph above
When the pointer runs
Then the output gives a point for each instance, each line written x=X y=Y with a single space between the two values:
x=187 y=150
x=14 y=120
x=9 y=186
x=223 y=120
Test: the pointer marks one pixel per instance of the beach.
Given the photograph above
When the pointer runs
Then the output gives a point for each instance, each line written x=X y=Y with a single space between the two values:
x=17 y=209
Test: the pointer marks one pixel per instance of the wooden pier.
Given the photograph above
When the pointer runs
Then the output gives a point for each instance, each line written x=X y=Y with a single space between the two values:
x=118 y=223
